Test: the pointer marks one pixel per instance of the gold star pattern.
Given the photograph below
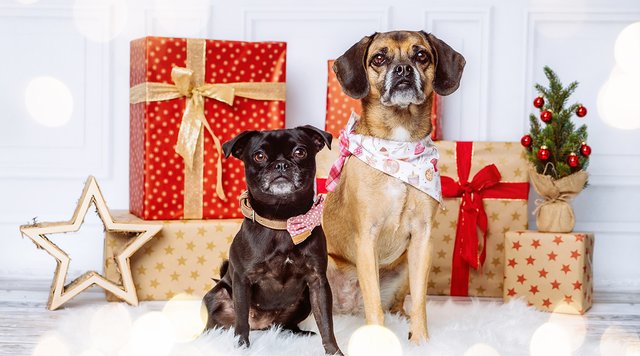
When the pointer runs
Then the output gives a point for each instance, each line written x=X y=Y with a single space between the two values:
x=179 y=234
x=195 y=274
x=444 y=169
x=61 y=293
x=168 y=250
x=442 y=254
x=190 y=246
x=435 y=269
x=210 y=246
x=447 y=238
x=154 y=283
x=141 y=270
x=159 y=266
x=175 y=276
x=202 y=231
x=515 y=216
x=189 y=291
x=219 y=228
x=182 y=261
x=201 y=260
x=494 y=216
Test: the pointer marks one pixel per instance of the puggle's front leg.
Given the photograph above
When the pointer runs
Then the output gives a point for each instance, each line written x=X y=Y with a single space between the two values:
x=241 y=304
x=369 y=277
x=420 y=251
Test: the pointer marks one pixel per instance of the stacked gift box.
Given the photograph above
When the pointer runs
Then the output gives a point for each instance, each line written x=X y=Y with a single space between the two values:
x=188 y=96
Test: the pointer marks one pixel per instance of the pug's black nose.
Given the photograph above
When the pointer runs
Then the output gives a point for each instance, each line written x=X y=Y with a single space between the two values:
x=282 y=166
x=403 y=70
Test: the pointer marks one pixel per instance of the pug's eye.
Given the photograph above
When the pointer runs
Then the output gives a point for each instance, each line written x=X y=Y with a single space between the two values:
x=299 y=152
x=422 y=57
x=259 y=157
x=378 y=59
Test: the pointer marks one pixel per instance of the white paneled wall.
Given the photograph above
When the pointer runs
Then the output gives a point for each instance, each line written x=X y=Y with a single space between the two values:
x=506 y=43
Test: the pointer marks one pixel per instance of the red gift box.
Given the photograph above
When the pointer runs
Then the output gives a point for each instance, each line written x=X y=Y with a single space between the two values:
x=188 y=96
x=340 y=106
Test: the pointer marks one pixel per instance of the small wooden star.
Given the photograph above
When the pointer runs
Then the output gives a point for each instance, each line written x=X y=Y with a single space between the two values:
x=61 y=293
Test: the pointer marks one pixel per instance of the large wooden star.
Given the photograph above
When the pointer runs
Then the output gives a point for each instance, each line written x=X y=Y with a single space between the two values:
x=61 y=293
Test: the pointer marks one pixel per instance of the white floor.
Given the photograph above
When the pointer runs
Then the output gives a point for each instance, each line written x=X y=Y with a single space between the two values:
x=24 y=318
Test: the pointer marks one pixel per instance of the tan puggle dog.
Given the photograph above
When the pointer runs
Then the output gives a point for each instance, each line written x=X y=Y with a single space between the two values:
x=378 y=228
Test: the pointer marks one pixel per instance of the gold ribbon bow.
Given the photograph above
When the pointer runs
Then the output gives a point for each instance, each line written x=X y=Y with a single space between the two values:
x=189 y=83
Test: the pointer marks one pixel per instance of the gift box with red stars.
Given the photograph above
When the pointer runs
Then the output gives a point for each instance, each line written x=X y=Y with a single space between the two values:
x=551 y=271
x=187 y=97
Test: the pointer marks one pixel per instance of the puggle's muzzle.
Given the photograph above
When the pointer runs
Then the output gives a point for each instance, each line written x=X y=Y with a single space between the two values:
x=403 y=86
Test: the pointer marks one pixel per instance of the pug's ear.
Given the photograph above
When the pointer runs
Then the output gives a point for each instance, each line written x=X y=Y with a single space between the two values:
x=449 y=65
x=320 y=137
x=351 y=69
x=236 y=145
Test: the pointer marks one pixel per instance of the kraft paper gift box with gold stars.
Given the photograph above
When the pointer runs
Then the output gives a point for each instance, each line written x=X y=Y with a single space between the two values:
x=490 y=181
x=485 y=189
x=551 y=271
x=183 y=257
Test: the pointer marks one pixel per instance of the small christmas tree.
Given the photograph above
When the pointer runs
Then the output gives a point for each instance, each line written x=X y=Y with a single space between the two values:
x=557 y=149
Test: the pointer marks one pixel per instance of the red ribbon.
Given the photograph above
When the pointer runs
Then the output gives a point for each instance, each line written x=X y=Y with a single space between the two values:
x=321 y=185
x=472 y=216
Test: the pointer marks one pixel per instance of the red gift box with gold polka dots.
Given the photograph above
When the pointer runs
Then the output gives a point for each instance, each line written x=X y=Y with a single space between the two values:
x=551 y=271
x=340 y=106
x=187 y=97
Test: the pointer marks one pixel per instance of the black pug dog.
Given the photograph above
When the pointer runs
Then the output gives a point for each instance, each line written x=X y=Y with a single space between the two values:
x=269 y=280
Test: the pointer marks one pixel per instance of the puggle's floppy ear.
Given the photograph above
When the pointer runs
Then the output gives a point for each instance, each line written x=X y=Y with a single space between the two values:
x=236 y=145
x=351 y=70
x=320 y=137
x=449 y=65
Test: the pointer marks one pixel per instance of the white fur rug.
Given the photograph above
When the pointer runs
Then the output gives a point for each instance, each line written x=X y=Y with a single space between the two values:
x=456 y=328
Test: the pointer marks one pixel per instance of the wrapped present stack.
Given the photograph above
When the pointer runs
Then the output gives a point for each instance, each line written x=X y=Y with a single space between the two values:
x=188 y=96
x=485 y=187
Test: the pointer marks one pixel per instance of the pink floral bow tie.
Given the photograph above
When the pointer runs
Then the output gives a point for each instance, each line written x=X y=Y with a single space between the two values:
x=300 y=226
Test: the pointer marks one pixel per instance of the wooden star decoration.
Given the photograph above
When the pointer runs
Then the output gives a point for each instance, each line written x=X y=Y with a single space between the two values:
x=61 y=293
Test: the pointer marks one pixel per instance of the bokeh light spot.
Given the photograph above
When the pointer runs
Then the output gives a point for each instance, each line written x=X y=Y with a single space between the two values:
x=49 y=101
x=373 y=340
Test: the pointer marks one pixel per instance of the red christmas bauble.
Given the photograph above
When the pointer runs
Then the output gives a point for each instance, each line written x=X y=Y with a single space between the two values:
x=538 y=102
x=546 y=116
x=543 y=153
x=573 y=160
x=526 y=141
x=581 y=111
x=585 y=150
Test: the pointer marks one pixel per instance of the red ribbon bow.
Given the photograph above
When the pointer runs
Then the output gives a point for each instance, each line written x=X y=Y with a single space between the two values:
x=472 y=216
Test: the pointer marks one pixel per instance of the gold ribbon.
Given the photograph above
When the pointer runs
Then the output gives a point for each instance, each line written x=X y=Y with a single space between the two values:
x=189 y=83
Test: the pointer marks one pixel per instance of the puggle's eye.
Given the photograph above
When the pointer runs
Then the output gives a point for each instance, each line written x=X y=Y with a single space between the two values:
x=300 y=152
x=422 y=57
x=378 y=59
x=259 y=157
